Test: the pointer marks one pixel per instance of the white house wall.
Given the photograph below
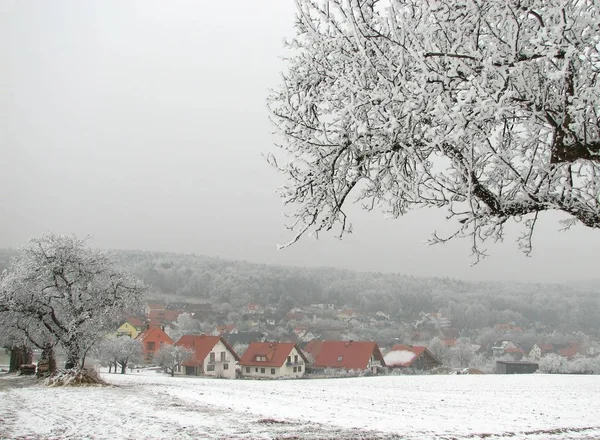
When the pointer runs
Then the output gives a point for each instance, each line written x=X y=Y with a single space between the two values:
x=285 y=370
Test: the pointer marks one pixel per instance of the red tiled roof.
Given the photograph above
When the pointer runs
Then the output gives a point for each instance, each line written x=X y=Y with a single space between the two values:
x=352 y=355
x=202 y=345
x=570 y=351
x=275 y=352
x=135 y=321
x=547 y=347
x=164 y=315
x=313 y=347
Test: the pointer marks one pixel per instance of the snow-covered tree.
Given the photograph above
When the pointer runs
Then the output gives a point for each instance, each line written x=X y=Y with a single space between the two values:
x=554 y=363
x=185 y=325
x=438 y=349
x=461 y=353
x=170 y=357
x=489 y=108
x=121 y=351
x=59 y=291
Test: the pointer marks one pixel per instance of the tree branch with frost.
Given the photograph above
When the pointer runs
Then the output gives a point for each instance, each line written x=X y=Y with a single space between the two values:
x=386 y=101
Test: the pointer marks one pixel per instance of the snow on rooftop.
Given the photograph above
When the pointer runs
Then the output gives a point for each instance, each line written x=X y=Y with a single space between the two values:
x=399 y=358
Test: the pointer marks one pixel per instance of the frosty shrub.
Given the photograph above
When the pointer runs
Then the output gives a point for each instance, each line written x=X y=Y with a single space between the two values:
x=488 y=108
x=556 y=364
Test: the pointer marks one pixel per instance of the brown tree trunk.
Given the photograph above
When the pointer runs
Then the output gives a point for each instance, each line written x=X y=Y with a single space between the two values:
x=16 y=359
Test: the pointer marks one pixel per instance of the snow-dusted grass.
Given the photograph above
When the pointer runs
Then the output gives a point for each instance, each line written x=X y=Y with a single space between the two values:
x=154 y=406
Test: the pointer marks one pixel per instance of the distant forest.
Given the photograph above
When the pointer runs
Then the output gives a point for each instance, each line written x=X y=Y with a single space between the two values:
x=470 y=305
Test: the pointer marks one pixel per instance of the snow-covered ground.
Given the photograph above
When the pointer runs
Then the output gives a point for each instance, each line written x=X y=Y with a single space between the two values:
x=154 y=406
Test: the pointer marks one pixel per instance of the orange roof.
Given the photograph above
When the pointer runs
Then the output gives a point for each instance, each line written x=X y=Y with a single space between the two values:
x=156 y=335
x=275 y=353
x=351 y=355
x=202 y=345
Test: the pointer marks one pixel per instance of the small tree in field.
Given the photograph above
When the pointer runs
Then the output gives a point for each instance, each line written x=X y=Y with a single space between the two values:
x=488 y=108
x=170 y=357
x=61 y=292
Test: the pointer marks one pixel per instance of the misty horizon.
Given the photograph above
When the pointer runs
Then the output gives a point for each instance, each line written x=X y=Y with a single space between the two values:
x=143 y=126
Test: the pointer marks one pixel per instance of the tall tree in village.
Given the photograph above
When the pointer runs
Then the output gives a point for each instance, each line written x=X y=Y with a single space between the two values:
x=60 y=292
x=489 y=108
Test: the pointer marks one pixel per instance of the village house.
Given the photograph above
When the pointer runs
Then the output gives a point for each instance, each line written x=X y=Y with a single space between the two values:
x=229 y=329
x=272 y=360
x=348 y=355
x=152 y=338
x=508 y=348
x=411 y=356
x=253 y=309
x=508 y=328
x=132 y=327
x=154 y=305
x=213 y=356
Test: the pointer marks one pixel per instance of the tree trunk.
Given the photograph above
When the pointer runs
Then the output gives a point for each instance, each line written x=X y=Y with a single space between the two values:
x=172 y=372
x=109 y=367
x=16 y=359
x=48 y=358
x=123 y=368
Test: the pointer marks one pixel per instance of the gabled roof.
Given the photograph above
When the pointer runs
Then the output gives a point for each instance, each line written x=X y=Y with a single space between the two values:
x=351 y=355
x=245 y=337
x=202 y=345
x=569 y=351
x=164 y=315
x=276 y=354
x=134 y=321
x=154 y=334
x=313 y=348
x=401 y=355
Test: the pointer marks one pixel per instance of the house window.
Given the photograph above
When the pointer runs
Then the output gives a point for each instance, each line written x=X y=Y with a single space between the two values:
x=340 y=358
x=299 y=368
x=247 y=369
x=179 y=368
x=256 y=370
x=296 y=359
x=222 y=356
x=225 y=366
x=295 y=369
x=211 y=357
x=150 y=345
x=210 y=367
x=289 y=359
x=260 y=358
x=272 y=370
x=262 y=370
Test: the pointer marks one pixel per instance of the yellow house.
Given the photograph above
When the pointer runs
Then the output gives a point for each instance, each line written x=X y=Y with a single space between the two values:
x=132 y=327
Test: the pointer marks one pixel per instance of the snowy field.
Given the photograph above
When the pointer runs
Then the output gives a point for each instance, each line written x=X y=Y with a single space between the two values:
x=154 y=406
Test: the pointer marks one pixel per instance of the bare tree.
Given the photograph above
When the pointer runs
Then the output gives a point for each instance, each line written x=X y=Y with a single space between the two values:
x=171 y=357
x=61 y=292
x=489 y=108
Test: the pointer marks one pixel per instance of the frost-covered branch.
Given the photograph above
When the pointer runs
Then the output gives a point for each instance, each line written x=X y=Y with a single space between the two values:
x=484 y=107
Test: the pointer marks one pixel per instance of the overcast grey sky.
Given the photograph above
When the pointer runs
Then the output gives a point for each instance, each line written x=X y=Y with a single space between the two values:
x=141 y=123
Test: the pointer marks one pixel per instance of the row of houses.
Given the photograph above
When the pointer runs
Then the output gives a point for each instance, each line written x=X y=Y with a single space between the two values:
x=214 y=356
